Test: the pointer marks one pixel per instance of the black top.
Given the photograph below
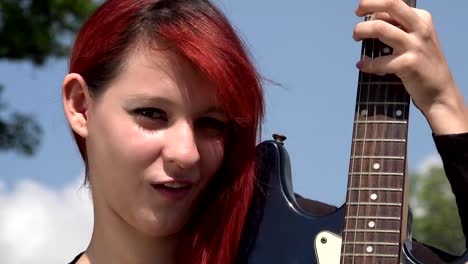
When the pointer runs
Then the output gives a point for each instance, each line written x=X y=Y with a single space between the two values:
x=76 y=258
x=453 y=150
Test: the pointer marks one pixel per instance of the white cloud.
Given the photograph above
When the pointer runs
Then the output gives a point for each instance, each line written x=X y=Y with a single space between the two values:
x=40 y=225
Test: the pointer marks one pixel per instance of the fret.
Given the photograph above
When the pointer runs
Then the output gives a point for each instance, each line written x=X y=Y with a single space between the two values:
x=370 y=255
x=366 y=237
x=380 y=122
x=356 y=210
x=392 y=140
x=382 y=107
x=384 y=103
x=373 y=198
x=374 y=249
x=375 y=77
x=360 y=164
x=375 y=183
x=376 y=173
x=371 y=243
x=371 y=231
x=379 y=83
x=378 y=157
x=376 y=189
x=390 y=93
x=375 y=204
x=380 y=131
x=377 y=148
x=374 y=217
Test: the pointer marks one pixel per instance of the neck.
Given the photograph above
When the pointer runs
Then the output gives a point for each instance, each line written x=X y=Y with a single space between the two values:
x=114 y=241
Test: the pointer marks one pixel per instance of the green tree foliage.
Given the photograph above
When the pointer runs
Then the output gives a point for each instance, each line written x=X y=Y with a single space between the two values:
x=18 y=131
x=32 y=31
x=436 y=221
x=37 y=29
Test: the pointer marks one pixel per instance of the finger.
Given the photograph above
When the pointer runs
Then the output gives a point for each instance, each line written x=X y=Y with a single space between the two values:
x=391 y=64
x=384 y=17
x=427 y=26
x=424 y=15
x=385 y=32
x=397 y=9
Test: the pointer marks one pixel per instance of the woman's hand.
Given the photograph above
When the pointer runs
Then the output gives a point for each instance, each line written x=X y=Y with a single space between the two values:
x=417 y=60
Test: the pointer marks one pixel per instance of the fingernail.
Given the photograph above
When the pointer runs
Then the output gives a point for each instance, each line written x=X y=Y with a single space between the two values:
x=360 y=64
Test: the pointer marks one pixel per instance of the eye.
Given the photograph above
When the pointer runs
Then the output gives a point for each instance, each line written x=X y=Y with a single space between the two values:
x=150 y=113
x=211 y=126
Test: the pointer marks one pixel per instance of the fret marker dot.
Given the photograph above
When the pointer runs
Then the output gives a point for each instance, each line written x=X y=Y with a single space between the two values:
x=364 y=112
x=376 y=166
x=386 y=50
x=373 y=196
x=371 y=224
x=398 y=112
x=369 y=249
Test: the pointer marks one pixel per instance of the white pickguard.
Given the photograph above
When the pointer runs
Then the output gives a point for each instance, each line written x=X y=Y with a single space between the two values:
x=327 y=248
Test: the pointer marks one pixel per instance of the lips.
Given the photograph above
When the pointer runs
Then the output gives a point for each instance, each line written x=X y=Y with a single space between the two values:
x=174 y=190
x=175 y=185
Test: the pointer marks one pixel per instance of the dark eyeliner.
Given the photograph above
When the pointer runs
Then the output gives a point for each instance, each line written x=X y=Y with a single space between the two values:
x=150 y=113
x=212 y=123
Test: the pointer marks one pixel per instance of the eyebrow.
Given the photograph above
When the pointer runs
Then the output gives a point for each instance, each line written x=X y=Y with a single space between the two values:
x=215 y=110
x=137 y=99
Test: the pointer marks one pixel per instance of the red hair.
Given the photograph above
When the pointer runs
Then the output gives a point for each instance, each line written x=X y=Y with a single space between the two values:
x=197 y=30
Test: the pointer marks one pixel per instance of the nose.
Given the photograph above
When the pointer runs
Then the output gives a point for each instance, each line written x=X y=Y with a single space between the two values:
x=181 y=147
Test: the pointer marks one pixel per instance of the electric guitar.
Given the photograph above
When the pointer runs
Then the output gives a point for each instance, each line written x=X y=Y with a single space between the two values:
x=373 y=226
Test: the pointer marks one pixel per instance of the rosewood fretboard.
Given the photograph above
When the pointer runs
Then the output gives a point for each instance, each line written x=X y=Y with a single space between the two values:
x=375 y=202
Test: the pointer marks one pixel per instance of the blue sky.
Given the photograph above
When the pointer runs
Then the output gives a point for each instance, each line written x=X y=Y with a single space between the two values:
x=306 y=46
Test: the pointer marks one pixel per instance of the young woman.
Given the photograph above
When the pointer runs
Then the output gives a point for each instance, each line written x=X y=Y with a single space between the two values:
x=165 y=107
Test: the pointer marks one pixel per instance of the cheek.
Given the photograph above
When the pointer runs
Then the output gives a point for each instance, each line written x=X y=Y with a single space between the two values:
x=212 y=153
x=121 y=145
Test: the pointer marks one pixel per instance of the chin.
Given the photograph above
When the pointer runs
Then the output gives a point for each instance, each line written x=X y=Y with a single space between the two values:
x=162 y=225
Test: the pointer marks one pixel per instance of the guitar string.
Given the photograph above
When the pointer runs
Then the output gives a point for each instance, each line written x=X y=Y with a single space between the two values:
x=404 y=132
x=362 y=153
x=363 y=145
x=368 y=150
x=382 y=163
x=395 y=98
x=369 y=165
x=370 y=178
x=350 y=184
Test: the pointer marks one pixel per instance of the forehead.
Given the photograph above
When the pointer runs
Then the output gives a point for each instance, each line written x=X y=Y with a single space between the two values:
x=160 y=72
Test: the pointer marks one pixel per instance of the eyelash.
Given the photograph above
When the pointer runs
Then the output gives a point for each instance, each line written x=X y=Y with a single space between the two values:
x=210 y=122
x=147 y=114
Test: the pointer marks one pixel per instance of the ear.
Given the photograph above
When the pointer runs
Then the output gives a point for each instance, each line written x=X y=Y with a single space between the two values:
x=76 y=102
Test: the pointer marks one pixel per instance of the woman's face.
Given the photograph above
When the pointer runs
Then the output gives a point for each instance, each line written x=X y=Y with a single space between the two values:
x=155 y=139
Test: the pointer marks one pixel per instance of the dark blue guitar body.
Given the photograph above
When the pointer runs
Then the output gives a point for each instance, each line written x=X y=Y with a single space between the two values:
x=279 y=230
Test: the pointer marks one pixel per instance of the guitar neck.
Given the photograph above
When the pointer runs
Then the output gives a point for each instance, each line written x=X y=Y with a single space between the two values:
x=376 y=204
